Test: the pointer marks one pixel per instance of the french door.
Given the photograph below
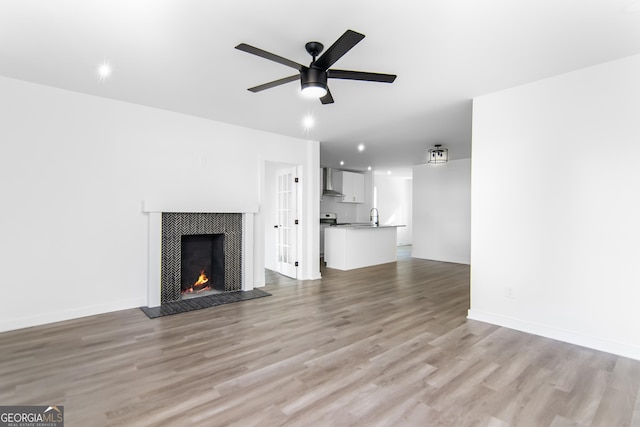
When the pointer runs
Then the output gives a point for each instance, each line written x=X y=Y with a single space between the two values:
x=286 y=247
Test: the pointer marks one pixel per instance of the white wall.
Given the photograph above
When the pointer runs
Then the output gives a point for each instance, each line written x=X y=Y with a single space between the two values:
x=363 y=209
x=442 y=211
x=394 y=204
x=556 y=207
x=74 y=170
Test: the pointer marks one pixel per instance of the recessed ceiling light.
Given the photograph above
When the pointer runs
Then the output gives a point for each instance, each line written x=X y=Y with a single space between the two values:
x=308 y=122
x=369 y=168
x=104 y=71
x=361 y=147
x=388 y=172
x=341 y=162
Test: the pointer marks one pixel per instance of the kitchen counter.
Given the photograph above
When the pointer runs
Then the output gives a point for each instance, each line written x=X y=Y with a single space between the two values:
x=351 y=246
x=365 y=226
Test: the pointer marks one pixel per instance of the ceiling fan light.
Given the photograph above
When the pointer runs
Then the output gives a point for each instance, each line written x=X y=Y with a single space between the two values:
x=313 y=82
x=313 y=90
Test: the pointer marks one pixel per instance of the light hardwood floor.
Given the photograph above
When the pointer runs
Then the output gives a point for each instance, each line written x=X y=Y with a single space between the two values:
x=380 y=346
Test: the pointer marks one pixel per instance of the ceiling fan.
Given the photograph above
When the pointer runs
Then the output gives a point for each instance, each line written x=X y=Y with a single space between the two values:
x=313 y=78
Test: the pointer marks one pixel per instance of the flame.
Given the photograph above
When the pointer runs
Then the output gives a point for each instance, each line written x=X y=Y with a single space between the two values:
x=201 y=283
x=202 y=279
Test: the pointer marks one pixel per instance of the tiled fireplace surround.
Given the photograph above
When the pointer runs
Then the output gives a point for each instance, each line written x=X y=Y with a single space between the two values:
x=236 y=222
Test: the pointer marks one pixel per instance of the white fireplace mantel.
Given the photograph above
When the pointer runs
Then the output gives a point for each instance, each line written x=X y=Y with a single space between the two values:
x=155 y=209
x=159 y=206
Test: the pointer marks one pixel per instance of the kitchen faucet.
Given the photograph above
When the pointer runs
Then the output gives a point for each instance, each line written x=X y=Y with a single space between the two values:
x=377 y=216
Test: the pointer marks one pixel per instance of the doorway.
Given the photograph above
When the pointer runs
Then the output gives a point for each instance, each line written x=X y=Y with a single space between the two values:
x=282 y=210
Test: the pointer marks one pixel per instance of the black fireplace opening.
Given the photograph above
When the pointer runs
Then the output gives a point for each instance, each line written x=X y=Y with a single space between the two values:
x=201 y=264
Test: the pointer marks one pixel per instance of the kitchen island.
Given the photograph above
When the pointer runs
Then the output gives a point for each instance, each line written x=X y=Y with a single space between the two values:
x=347 y=247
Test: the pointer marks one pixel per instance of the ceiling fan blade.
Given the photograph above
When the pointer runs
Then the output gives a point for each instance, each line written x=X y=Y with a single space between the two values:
x=346 y=41
x=274 y=83
x=327 y=99
x=361 y=75
x=270 y=56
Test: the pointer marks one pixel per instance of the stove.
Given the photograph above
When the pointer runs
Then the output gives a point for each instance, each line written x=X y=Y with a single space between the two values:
x=327 y=219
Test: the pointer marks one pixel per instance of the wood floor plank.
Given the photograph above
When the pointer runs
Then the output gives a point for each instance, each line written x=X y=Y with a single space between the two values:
x=387 y=345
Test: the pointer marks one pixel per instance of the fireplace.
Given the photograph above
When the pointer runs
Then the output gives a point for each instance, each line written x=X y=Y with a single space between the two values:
x=170 y=220
x=201 y=254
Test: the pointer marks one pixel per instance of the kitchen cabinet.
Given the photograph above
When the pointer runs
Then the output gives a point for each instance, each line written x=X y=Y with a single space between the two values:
x=350 y=184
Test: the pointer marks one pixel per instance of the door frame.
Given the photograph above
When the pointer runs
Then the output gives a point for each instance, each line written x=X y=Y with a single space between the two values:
x=269 y=210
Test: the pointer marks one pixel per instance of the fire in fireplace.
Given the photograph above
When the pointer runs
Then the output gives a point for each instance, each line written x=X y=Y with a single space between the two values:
x=202 y=263
x=202 y=284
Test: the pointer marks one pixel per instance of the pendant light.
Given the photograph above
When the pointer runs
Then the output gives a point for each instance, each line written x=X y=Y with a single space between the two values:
x=438 y=154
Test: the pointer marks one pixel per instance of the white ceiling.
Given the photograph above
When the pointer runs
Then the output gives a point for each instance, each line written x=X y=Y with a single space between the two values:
x=179 y=55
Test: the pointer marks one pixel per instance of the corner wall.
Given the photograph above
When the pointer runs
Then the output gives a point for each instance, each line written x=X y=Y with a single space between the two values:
x=556 y=208
x=442 y=211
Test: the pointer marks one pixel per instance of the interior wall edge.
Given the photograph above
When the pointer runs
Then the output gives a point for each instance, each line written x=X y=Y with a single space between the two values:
x=63 y=315
x=548 y=331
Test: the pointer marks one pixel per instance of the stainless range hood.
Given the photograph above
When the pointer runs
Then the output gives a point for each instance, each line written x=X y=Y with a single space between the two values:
x=327 y=186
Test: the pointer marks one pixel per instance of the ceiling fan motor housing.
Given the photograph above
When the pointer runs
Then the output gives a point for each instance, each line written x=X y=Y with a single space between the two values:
x=313 y=77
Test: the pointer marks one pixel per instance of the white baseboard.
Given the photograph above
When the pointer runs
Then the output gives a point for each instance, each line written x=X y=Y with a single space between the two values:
x=59 y=316
x=621 y=349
